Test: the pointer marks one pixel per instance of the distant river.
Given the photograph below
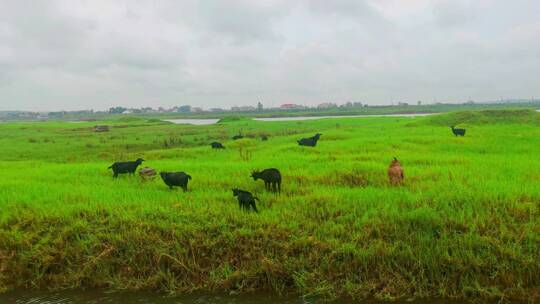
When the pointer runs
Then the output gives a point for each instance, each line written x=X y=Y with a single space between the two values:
x=292 y=118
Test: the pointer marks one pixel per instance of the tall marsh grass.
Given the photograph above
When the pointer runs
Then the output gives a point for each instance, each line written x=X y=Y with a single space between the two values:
x=465 y=224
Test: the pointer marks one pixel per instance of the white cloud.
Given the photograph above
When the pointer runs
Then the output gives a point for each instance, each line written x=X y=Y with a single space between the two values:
x=73 y=54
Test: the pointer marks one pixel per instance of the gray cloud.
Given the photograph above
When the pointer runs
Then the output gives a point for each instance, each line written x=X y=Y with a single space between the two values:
x=77 y=54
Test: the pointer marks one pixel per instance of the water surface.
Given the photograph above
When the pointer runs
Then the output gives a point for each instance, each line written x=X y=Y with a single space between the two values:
x=211 y=121
x=106 y=297
x=193 y=121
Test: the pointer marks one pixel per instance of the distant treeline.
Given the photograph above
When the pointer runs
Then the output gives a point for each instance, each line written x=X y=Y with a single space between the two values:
x=271 y=112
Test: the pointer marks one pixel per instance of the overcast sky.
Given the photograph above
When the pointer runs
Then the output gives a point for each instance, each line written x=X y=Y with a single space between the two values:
x=94 y=54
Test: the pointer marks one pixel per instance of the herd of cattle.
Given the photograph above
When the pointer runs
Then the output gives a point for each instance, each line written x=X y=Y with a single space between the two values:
x=271 y=176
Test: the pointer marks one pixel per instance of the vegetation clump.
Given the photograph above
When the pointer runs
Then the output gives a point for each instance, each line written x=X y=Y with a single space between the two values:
x=156 y=120
x=233 y=119
x=126 y=119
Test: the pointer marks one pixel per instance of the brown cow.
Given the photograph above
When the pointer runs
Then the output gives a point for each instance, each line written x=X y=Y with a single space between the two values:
x=395 y=172
x=147 y=174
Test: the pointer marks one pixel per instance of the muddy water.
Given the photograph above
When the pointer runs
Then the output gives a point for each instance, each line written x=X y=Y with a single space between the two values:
x=99 y=297
x=105 y=297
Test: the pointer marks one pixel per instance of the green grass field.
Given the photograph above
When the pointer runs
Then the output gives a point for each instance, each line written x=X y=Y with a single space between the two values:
x=465 y=224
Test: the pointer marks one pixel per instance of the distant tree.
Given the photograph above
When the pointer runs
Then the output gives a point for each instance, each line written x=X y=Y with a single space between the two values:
x=117 y=110
x=259 y=106
x=419 y=102
x=184 y=109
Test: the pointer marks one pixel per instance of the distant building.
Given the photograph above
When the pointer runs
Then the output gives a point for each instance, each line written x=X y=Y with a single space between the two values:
x=61 y=114
x=27 y=115
x=43 y=116
x=216 y=110
x=196 y=109
x=403 y=104
x=243 y=108
x=290 y=106
x=10 y=113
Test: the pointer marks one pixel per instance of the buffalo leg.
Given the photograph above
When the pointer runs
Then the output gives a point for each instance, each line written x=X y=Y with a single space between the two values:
x=254 y=207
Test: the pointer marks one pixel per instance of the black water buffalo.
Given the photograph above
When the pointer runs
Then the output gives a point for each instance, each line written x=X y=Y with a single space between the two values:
x=271 y=178
x=310 y=141
x=175 y=179
x=217 y=145
x=125 y=167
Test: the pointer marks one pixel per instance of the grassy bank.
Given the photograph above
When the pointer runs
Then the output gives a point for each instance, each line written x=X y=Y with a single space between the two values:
x=465 y=224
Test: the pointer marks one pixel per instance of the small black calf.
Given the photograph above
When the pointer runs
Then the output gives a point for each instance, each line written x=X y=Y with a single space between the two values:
x=245 y=199
x=458 y=132
x=217 y=145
